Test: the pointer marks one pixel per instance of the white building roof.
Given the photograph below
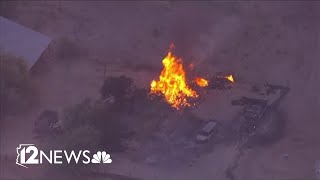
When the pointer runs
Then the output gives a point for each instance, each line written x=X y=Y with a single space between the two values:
x=21 y=41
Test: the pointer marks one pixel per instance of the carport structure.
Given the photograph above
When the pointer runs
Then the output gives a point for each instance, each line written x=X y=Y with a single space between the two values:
x=22 y=42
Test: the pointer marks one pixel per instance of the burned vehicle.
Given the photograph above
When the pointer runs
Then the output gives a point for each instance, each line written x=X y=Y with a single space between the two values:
x=47 y=123
x=255 y=108
x=220 y=82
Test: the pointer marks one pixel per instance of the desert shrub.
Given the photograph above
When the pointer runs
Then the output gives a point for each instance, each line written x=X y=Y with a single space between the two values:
x=78 y=115
x=77 y=138
x=102 y=119
x=66 y=49
x=95 y=121
x=127 y=98
x=17 y=87
x=88 y=125
x=118 y=87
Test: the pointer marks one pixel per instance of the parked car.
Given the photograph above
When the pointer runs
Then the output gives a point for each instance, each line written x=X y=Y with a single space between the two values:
x=207 y=131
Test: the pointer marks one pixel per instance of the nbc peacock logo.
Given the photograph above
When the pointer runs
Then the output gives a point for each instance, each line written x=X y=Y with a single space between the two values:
x=101 y=157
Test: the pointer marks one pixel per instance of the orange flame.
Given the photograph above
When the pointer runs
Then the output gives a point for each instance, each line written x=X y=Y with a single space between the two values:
x=201 y=82
x=230 y=78
x=172 y=82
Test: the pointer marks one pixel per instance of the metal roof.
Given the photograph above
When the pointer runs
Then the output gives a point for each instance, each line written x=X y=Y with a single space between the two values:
x=21 y=41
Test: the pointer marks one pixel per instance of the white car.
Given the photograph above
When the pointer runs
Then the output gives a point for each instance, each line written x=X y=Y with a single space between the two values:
x=209 y=129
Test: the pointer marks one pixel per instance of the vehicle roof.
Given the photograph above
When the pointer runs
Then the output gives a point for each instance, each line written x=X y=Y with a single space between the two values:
x=209 y=126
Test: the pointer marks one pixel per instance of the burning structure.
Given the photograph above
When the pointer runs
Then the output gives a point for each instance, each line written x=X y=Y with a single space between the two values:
x=172 y=83
x=177 y=91
x=222 y=82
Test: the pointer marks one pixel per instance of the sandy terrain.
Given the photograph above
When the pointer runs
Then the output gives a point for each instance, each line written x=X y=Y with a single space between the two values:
x=276 y=42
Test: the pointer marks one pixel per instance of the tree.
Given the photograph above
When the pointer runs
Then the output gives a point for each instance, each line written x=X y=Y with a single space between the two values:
x=118 y=87
x=87 y=125
x=102 y=119
x=17 y=88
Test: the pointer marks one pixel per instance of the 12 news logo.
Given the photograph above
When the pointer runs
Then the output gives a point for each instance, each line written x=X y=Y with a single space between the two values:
x=28 y=154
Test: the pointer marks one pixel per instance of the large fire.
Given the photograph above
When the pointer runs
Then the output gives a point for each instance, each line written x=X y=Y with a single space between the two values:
x=172 y=82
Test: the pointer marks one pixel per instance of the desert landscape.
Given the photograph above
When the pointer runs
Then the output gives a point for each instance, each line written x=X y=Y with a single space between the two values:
x=257 y=42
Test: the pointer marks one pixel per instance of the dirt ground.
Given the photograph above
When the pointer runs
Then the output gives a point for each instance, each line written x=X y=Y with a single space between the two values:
x=276 y=42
